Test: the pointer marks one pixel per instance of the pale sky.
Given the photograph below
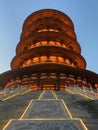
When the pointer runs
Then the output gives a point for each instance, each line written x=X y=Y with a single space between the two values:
x=82 y=12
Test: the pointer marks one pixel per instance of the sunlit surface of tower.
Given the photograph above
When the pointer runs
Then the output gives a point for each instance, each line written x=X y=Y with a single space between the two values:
x=48 y=53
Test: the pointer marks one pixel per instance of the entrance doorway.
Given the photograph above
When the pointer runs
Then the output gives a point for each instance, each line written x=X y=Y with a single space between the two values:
x=48 y=87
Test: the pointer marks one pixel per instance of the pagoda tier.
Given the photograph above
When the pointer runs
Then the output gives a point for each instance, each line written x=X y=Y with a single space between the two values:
x=48 y=53
x=48 y=37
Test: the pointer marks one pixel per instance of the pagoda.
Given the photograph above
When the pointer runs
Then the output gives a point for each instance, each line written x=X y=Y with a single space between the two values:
x=48 y=53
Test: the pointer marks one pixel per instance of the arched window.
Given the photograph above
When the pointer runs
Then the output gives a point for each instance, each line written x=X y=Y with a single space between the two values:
x=38 y=44
x=43 y=59
x=51 y=29
x=58 y=43
x=40 y=30
x=63 y=45
x=52 y=43
x=60 y=60
x=28 y=62
x=53 y=59
x=44 y=43
x=32 y=46
x=35 y=59
x=72 y=64
x=56 y=30
x=24 y=64
x=44 y=30
x=67 y=61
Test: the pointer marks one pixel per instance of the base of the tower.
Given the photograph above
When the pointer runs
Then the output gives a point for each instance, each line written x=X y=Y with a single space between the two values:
x=47 y=69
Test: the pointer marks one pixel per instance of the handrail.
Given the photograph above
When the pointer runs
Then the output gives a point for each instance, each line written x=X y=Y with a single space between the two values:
x=11 y=91
x=21 y=89
x=86 y=92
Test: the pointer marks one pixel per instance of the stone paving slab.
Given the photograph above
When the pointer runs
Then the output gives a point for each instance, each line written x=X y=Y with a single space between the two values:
x=3 y=123
x=45 y=125
x=17 y=105
x=94 y=121
x=92 y=124
x=80 y=113
x=14 y=107
x=46 y=109
x=48 y=95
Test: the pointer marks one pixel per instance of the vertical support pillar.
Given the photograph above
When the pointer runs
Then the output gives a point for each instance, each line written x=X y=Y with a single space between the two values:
x=38 y=82
x=58 y=82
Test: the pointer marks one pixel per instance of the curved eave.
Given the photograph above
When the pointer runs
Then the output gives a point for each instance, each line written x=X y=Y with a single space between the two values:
x=47 y=11
x=47 y=50
x=89 y=75
x=50 y=36
x=33 y=26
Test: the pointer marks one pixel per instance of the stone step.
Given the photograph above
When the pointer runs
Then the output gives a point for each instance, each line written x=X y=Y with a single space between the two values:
x=45 y=125
x=92 y=124
x=77 y=105
x=46 y=109
x=14 y=107
x=48 y=95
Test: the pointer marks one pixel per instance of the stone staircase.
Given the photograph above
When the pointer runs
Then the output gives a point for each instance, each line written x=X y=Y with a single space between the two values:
x=14 y=107
x=81 y=107
x=46 y=113
x=48 y=110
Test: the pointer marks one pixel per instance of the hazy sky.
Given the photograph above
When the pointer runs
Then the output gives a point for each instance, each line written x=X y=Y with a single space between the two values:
x=84 y=14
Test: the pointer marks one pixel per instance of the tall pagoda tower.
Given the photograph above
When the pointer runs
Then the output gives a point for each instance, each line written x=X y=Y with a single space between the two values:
x=48 y=52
